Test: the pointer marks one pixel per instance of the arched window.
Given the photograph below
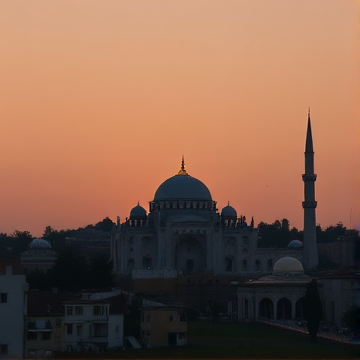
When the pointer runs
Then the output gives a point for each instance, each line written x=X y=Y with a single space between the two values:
x=269 y=265
x=228 y=264
x=257 y=265
x=147 y=262
x=299 y=306
x=284 y=308
x=266 y=308
x=244 y=265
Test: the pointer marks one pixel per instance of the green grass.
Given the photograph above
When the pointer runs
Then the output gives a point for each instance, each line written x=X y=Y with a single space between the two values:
x=207 y=340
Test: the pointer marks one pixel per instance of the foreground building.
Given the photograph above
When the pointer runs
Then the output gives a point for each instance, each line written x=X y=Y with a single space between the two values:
x=163 y=326
x=95 y=322
x=13 y=288
x=45 y=323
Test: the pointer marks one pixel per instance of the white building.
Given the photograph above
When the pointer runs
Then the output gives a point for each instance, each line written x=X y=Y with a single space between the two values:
x=94 y=323
x=184 y=233
x=13 y=289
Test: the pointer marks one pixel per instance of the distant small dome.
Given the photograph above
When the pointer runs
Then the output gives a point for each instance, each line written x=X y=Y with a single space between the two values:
x=295 y=244
x=39 y=244
x=288 y=266
x=137 y=212
x=228 y=211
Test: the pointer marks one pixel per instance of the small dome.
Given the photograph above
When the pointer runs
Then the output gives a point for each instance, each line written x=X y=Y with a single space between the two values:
x=39 y=244
x=137 y=212
x=295 y=244
x=228 y=211
x=288 y=266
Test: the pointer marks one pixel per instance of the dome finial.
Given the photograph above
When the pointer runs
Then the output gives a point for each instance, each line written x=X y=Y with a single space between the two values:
x=182 y=170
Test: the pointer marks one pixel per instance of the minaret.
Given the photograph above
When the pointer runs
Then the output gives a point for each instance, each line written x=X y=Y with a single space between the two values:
x=310 y=250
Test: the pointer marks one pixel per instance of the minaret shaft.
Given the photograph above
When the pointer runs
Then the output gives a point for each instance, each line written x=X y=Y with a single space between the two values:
x=310 y=251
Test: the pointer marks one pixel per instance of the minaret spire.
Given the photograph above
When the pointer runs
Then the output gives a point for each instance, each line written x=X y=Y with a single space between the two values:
x=310 y=251
x=309 y=141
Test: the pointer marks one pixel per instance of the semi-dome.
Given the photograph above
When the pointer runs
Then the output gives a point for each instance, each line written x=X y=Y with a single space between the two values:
x=137 y=211
x=39 y=244
x=295 y=244
x=288 y=266
x=228 y=211
x=182 y=187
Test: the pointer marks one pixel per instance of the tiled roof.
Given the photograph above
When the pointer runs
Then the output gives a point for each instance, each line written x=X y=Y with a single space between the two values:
x=40 y=303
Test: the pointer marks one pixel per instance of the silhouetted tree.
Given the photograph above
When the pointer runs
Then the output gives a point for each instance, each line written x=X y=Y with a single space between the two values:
x=70 y=271
x=38 y=279
x=312 y=309
x=24 y=236
x=285 y=225
x=105 y=225
x=101 y=275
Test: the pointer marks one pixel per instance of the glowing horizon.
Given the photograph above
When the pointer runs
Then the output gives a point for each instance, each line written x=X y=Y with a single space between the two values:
x=101 y=100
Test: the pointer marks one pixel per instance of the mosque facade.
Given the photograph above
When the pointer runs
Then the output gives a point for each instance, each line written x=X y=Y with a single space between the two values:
x=184 y=233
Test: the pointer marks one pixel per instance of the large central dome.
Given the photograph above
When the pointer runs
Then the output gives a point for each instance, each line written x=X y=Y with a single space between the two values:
x=182 y=187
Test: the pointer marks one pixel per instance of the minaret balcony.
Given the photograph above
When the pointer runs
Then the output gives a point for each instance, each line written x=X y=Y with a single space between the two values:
x=309 y=204
x=307 y=177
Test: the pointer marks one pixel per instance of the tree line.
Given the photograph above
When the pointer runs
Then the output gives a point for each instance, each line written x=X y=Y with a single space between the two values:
x=279 y=234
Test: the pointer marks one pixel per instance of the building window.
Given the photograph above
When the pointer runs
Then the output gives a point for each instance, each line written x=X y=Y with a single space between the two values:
x=269 y=265
x=117 y=329
x=31 y=335
x=182 y=336
x=148 y=318
x=78 y=310
x=100 y=330
x=257 y=265
x=244 y=265
x=131 y=264
x=79 y=330
x=4 y=349
x=228 y=264
x=171 y=318
x=57 y=323
x=98 y=310
x=147 y=262
x=69 y=310
x=182 y=317
x=46 y=335
x=69 y=329
x=3 y=298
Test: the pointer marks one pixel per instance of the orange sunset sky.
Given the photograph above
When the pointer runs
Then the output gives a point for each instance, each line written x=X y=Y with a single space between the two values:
x=100 y=99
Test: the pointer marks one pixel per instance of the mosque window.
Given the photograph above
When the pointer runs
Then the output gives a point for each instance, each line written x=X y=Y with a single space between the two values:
x=244 y=265
x=228 y=264
x=3 y=298
x=269 y=265
x=147 y=262
x=257 y=265
x=131 y=264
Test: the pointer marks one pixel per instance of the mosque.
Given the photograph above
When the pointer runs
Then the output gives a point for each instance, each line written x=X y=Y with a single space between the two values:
x=183 y=233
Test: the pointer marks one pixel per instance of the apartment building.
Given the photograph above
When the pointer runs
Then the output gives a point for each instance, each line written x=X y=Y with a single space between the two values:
x=94 y=323
x=13 y=288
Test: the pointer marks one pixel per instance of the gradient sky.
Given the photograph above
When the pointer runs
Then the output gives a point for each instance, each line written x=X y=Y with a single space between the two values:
x=100 y=99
